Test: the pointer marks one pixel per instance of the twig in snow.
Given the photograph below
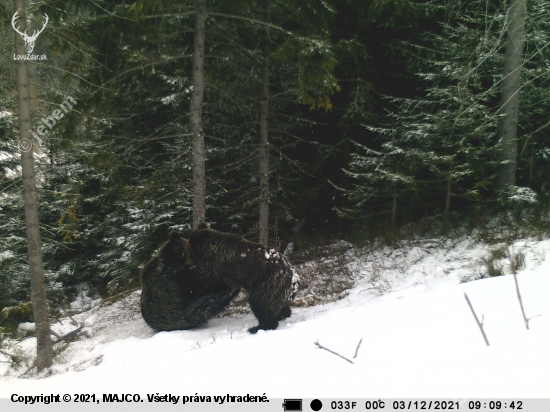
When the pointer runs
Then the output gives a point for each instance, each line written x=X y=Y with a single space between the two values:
x=477 y=321
x=28 y=370
x=72 y=333
x=67 y=335
x=358 y=346
x=513 y=266
x=75 y=322
x=14 y=358
x=331 y=351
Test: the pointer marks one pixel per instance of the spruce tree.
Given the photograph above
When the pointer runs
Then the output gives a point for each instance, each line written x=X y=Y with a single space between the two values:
x=44 y=346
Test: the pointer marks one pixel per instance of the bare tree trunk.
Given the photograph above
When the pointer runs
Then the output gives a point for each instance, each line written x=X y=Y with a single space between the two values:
x=264 y=142
x=448 y=199
x=44 y=356
x=531 y=165
x=394 y=207
x=509 y=103
x=197 y=131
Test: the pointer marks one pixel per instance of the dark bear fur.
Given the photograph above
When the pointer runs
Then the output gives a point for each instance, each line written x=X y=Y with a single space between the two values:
x=173 y=295
x=264 y=274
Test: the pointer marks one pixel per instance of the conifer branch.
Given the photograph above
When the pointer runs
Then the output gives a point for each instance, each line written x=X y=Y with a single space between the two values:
x=111 y=13
x=251 y=20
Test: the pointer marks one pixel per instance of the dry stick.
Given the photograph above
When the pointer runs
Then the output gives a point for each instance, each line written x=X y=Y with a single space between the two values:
x=74 y=320
x=71 y=333
x=475 y=316
x=357 y=349
x=14 y=358
x=331 y=351
x=67 y=335
x=513 y=267
x=28 y=370
x=120 y=295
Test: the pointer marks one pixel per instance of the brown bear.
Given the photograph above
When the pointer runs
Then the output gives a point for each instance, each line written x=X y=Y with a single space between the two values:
x=174 y=297
x=264 y=274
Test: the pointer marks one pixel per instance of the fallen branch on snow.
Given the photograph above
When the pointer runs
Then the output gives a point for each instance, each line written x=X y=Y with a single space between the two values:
x=358 y=346
x=15 y=359
x=331 y=351
x=28 y=370
x=513 y=267
x=67 y=335
x=480 y=324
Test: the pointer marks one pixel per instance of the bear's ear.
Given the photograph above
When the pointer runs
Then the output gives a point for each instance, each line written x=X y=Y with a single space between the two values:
x=203 y=225
x=174 y=237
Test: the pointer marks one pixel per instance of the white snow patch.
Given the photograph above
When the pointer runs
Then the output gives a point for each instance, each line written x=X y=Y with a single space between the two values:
x=169 y=99
x=289 y=249
x=27 y=326
x=6 y=254
x=419 y=339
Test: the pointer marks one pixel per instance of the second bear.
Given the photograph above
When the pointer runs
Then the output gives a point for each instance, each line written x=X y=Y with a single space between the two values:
x=264 y=274
x=173 y=296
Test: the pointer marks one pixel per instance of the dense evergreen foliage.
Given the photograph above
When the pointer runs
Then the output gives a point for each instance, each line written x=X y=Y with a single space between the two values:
x=380 y=113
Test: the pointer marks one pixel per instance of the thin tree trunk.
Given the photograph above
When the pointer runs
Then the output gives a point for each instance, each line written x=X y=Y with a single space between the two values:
x=197 y=131
x=264 y=142
x=44 y=356
x=426 y=207
x=531 y=165
x=448 y=199
x=509 y=104
x=394 y=207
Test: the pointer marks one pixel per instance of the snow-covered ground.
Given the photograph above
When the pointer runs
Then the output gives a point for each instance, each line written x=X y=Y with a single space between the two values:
x=419 y=338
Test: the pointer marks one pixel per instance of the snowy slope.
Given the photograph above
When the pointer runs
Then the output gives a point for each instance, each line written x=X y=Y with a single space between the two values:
x=419 y=338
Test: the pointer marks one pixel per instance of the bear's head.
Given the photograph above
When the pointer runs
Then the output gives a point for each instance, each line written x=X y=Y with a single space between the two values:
x=200 y=236
x=173 y=252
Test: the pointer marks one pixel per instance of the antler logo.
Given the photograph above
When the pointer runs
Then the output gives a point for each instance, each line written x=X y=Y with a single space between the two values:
x=29 y=40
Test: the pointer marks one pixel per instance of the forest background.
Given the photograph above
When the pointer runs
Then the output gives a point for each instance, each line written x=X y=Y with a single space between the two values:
x=355 y=119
